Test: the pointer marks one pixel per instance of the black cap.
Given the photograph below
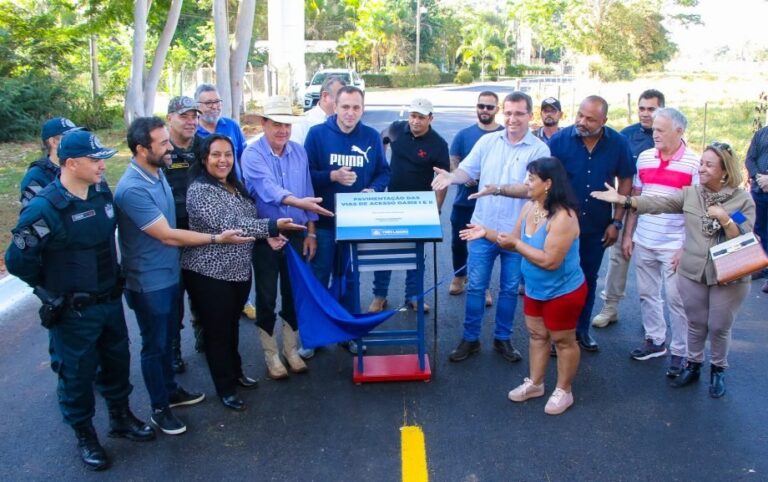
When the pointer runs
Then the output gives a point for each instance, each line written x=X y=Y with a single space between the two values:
x=551 y=102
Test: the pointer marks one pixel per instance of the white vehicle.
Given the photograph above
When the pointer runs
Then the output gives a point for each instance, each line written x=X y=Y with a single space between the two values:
x=312 y=92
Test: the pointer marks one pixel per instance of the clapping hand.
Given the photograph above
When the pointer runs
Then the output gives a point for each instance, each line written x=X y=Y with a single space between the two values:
x=762 y=181
x=610 y=195
x=507 y=240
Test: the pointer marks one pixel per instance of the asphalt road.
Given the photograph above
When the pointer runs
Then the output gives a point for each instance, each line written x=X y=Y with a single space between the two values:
x=626 y=424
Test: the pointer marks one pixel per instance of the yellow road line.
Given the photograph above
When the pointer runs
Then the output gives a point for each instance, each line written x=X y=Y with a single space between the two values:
x=414 y=454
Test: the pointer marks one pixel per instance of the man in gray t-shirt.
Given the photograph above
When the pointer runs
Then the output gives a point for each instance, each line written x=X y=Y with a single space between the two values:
x=149 y=245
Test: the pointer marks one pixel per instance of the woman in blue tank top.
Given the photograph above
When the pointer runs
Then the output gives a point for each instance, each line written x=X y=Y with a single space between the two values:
x=547 y=236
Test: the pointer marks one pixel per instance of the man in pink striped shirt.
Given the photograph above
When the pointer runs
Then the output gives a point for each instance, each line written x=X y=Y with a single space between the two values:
x=662 y=171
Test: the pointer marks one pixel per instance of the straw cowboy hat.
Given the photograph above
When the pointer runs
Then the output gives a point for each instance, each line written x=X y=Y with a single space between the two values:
x=278 y=108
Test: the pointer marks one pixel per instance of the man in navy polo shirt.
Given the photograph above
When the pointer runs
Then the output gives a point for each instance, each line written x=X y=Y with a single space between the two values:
x=640 y=138
x=416 y=150
x=594 y=154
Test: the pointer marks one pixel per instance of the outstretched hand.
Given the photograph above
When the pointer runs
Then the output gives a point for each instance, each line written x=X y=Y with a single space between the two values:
x=277 y=242
x=610 y=195
x=473 y=232
x=442 y=179
x=234 y=236
x=287 y=224
x=312 y=204
x=487 y=190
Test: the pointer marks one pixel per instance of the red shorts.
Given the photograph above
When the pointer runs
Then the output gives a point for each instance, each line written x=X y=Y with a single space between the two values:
x=561 y=313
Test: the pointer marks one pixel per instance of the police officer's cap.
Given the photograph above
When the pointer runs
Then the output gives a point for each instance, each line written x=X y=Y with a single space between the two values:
x=57 y=126
x=82 y=143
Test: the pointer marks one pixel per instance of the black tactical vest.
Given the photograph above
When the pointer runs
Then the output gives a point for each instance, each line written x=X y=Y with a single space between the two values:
x=87 y=259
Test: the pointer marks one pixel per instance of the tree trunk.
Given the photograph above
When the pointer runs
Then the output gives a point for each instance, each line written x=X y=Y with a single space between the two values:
x=134 y=105
x=241 y=46
x=163 y=44
x=222 y=56
x=95 y=84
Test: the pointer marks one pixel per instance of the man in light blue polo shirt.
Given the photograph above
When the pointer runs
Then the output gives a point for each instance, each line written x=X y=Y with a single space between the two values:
x=499 y=158
x=149 y=242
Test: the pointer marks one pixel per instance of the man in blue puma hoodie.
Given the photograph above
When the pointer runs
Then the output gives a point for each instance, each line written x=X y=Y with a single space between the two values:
x=344 y=156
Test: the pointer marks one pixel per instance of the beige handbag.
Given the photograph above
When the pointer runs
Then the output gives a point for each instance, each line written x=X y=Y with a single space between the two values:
x=738 y=257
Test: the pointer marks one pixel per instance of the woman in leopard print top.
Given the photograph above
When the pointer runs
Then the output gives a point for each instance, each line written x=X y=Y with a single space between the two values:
x=218 y=276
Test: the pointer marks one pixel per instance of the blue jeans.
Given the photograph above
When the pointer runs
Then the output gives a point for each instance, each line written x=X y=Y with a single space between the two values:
x=761 y=218
x=591 y=256
x=156 y=314
x=330 y=259
x=381 y=283
x=460 y=216
x=482 y=255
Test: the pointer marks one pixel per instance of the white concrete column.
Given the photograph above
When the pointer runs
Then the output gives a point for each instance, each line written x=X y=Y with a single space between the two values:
x=286 y=44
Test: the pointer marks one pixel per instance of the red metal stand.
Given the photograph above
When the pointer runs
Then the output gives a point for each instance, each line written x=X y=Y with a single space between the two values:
x=390 y=368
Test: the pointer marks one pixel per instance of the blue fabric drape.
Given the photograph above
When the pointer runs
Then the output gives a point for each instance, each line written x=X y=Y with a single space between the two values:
x=322 y=319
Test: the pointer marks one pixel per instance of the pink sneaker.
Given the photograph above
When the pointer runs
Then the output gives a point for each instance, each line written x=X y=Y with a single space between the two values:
x=525 y=391
x=558 y=402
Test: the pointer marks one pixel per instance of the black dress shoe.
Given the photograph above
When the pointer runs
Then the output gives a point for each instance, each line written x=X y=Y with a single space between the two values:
x=91 y=452
x=234 y=402
x=124 y=424
x=247 y=382
x=507 y=351
x=463 y=351
x=587 y=342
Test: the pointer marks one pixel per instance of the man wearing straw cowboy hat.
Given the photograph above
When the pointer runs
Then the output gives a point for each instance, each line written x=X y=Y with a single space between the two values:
x=276 y=174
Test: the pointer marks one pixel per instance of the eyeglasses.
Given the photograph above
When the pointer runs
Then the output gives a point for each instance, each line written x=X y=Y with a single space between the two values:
x=211 y=103
x=485 y=107
x=722 y=146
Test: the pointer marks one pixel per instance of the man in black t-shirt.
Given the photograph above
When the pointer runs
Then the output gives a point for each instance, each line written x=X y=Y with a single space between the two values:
x=416 y=150
x=182 y=128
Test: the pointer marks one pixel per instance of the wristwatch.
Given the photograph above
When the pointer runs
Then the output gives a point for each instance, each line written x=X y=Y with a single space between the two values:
x=497 y=191
x=617 y=224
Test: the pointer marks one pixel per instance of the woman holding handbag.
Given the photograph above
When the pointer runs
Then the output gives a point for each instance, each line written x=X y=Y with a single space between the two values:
x=716 y=210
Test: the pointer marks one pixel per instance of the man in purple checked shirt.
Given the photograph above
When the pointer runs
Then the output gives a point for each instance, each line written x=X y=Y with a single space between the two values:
x=276 y=174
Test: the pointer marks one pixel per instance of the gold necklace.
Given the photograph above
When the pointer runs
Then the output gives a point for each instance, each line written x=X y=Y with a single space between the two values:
x=538 y=214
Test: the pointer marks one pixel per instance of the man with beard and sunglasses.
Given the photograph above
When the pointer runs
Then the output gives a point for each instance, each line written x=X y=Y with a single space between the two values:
x=486 y=109
x=594 y=154
x=551 y=113
x=149 y=244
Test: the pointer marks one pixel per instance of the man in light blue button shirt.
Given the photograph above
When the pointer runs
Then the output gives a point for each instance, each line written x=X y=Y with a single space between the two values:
x=498 y=159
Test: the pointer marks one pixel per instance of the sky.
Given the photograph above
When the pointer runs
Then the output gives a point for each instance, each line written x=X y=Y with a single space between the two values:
x=731 y=23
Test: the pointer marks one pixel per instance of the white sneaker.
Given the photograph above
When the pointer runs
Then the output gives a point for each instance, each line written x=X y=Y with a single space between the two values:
x=558 y=402
x=526 y=390
x=607 y=315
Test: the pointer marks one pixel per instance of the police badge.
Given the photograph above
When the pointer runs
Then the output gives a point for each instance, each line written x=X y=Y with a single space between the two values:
x=18 y=240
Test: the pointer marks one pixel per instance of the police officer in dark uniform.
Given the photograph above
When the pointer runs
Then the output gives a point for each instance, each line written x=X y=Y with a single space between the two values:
x=44 y=170
x=64 y=247
x=182 y=132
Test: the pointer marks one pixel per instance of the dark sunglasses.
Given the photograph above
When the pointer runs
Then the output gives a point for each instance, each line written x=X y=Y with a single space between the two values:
x=723 y=146
x=485 y=107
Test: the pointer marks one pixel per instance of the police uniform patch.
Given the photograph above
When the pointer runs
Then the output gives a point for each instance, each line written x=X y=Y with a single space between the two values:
x=41 y=228
x=84 y=215
x=109 y=210
x=18 y=240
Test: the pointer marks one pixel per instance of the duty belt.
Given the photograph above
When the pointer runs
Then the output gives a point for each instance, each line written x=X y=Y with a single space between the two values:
x=79 y=301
